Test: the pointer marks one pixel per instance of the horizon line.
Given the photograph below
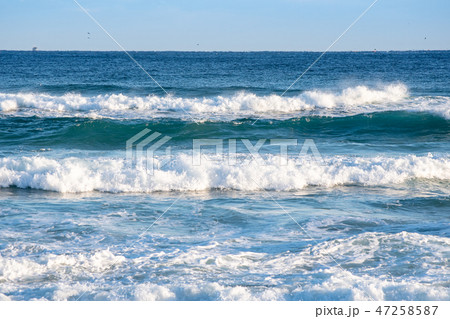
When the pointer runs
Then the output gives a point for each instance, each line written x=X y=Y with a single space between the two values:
x=229 y=51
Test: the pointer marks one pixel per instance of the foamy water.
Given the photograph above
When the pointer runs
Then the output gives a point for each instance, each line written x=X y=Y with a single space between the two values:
x=350 y=101
x=181 y=173
x=363 y=215
x=327 y=280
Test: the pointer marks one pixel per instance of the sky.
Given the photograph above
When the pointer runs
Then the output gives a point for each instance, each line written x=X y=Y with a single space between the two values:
x=227 y=25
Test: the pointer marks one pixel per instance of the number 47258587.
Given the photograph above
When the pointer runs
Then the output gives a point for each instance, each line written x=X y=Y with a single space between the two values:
x=407 y=310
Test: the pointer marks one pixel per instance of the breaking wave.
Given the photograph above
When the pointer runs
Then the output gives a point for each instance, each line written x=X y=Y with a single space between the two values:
x=350 y=101
x=72 y=175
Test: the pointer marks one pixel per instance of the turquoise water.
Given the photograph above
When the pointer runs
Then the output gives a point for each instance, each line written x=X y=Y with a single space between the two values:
x=369 y=220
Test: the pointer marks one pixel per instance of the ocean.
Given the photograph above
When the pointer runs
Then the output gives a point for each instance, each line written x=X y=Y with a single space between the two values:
x=337 y=189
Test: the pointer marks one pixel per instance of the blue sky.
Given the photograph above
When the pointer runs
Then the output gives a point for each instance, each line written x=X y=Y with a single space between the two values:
x=235 y=25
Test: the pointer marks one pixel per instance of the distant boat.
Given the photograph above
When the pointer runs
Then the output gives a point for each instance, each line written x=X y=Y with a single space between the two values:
x=34 y=49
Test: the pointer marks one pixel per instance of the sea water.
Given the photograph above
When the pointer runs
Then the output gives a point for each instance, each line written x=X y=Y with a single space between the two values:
x=362 y=213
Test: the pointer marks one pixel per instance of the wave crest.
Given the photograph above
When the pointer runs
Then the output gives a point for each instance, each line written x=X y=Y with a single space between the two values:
x=351 y=101
x=73 y=175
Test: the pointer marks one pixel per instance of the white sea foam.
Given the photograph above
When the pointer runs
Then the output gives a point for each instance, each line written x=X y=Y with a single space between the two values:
x=367 y=259
x=366 y=249
x=4 y=297
x=353 y=100
x=72 y=175
x=375 y=251
x=207 y=291
x=341 y=286
x=7 y=104
x=22 y=268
